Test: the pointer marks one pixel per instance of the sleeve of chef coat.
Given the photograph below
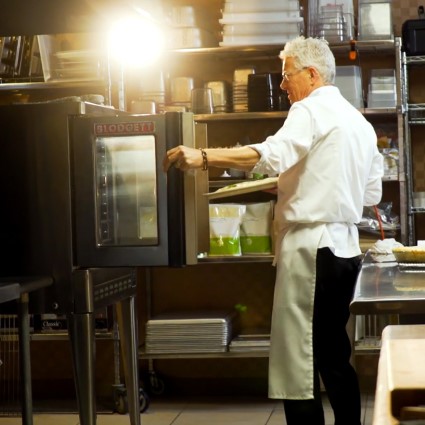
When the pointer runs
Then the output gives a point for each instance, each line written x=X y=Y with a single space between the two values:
x=288 y=145
x=373 y=192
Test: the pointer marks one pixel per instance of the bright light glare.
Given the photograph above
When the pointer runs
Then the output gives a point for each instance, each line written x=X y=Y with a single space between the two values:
x=136 y=42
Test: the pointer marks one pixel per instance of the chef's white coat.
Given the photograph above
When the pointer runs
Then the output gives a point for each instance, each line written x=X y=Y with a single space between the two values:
x=329 y=167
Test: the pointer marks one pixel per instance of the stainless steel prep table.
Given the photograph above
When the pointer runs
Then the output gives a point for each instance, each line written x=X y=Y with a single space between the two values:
x=385 y=288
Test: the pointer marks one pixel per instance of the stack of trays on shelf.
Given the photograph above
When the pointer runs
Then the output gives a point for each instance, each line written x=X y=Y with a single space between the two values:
x=189 y=332
x=240 y=88
x=255 y=340
x=382 y=89
x=349 y=81
x=260 y=22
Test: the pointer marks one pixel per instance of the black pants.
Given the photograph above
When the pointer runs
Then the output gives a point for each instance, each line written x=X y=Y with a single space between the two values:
x=335 y=281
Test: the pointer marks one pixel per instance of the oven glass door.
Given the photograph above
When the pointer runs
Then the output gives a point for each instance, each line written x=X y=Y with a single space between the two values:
x=121 y=209
x=126 y=194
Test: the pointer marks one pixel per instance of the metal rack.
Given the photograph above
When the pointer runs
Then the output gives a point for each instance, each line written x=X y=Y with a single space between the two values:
x=369 y=325
x=413 y=114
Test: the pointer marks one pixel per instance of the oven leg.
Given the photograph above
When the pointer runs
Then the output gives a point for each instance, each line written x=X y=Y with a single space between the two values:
x=25 y=360
x=82 y=336
x=126 y=317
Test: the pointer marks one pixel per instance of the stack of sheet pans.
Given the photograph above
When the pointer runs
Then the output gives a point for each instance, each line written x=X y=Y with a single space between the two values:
x=251 y=340
x=189 y=332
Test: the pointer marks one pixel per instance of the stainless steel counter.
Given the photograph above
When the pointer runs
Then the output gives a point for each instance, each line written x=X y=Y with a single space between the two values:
x=384 y=288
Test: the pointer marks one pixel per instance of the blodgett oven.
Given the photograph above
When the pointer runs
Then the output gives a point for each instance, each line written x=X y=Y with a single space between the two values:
x=85 y=201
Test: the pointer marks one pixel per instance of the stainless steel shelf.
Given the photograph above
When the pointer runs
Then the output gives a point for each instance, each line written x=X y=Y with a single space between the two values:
x=418 y=210
x=416 y=113
x=390 y=179
x=62 y=336
x=272 y=51
x=226 y=354
x=379 y=111
x=51 y=85
x=382 y=288
x=239 y=259
x=415 y=60
x=238 y=116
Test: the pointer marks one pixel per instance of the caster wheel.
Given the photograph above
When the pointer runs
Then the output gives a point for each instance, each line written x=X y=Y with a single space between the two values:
x=143 y=400
x=120 y=400
x=157 y=385
x=121 y=405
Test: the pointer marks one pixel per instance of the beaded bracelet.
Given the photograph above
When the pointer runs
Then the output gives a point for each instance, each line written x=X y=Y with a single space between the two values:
x=204 y=159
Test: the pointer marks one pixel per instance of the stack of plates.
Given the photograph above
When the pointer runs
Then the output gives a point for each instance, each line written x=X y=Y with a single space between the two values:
x=190 y=332
x=240 y=88
x=260 y=22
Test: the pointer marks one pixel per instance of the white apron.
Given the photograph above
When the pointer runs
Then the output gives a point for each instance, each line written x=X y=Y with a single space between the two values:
x=291 y=350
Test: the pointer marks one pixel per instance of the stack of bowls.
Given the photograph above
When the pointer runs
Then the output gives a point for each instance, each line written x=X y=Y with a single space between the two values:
x=260 y=22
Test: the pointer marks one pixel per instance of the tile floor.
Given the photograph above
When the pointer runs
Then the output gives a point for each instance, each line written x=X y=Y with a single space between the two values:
x=196 y=411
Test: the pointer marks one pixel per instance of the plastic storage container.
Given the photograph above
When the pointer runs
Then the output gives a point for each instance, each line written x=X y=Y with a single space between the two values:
x=349 y=81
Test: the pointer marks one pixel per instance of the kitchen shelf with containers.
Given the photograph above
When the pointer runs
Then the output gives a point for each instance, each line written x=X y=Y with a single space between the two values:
x=414 y=119
x=382 y=96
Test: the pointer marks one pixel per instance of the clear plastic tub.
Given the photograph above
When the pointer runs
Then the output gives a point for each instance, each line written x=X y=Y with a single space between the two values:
x=381 y=100
x=255 y=29
x=258 y=40
x=190 y=37
x=183 y=16
x=349 y=80
x=372 y=103
x=266 y=17
x=382 y=87
x=382 y=76
x=246 y=6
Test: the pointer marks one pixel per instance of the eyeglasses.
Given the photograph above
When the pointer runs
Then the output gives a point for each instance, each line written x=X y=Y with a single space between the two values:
x=286 y=75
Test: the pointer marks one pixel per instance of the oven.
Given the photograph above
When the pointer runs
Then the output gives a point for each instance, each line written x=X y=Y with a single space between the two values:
x=85 y=201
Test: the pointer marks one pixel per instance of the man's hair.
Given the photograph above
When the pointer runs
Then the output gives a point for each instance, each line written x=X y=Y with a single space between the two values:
x=313 y=52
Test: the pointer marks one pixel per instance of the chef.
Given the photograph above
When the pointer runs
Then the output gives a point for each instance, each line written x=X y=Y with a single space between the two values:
x=329 y=167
